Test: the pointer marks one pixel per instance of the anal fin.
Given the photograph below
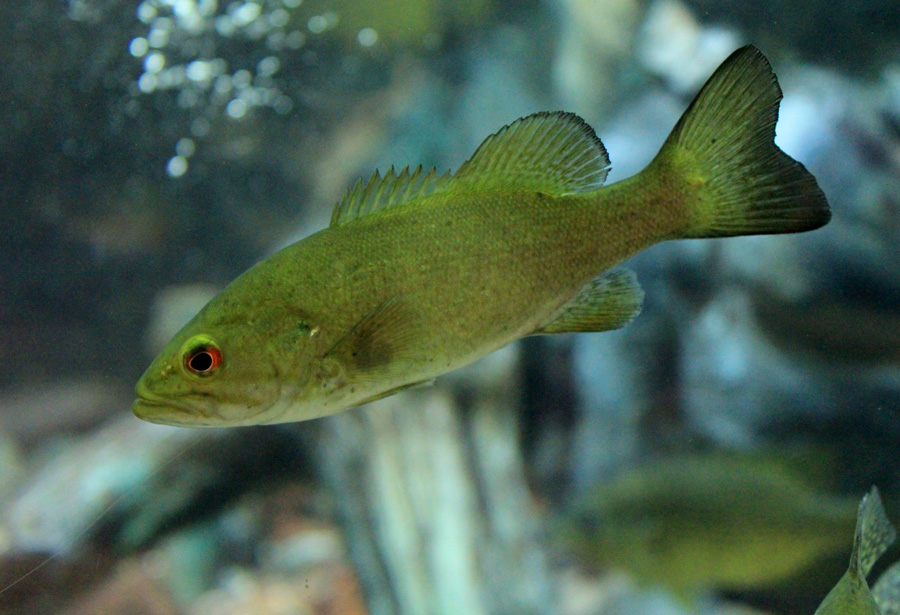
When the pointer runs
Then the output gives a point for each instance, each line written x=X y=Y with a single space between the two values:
x=607 y=302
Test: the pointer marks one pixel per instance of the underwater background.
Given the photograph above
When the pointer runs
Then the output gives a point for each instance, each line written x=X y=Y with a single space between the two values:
x=708 y=458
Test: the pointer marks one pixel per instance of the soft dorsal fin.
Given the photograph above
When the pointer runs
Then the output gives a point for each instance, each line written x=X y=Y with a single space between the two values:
x=383 y=192
x=874 y=533
x=556 y=153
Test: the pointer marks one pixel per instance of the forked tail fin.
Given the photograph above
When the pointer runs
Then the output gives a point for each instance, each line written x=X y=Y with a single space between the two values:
x=739 y=181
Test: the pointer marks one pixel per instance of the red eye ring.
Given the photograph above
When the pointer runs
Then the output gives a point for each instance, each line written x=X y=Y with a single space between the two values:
x=203 y=360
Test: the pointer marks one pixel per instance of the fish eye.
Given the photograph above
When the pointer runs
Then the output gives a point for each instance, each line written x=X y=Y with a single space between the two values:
x=202 y=356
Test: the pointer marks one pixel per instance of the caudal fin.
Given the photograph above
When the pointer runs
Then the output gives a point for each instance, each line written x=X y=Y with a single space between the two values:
x=739 y=181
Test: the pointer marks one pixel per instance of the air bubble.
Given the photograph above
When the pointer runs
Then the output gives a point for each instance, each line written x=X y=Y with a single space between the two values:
x=207 y=8
x=246 y=14
x=295 y=40
x=268 y=66
x=183 y=8
x=367 y=37
x=283 y=105
x=171 y=77
x=279 y=18
x=225 y=25
x=222 y=84
x=241 y=78
x=177 y=166
x=138 y=47
x=154 y=62
x=158 y=38
x=185 y=147
x=147 y=83
x=198 y=70
x=146 y=12
x=317 y=24
x=236 y=109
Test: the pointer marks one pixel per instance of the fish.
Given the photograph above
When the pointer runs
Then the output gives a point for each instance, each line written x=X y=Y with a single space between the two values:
x=421 y=272
x=851 y=595
x=694 y=523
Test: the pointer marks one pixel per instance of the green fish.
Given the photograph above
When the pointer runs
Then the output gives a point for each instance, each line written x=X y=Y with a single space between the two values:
x=420 y=273
x=709 y=521
x=851 y=596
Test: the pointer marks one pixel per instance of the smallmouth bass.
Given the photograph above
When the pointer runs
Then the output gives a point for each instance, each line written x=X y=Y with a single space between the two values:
x=712 y=521
x=420 y=273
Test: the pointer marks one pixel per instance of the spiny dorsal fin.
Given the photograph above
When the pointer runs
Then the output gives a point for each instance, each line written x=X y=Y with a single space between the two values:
x=556 y=153
x=383 y=192
x=874 y=533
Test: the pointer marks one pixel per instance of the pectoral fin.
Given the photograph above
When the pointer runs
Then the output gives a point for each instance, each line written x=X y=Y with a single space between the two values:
x=383 y=343
x=607 y=302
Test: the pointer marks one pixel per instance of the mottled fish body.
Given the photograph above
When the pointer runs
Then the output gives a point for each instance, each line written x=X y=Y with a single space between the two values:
x=420 y=273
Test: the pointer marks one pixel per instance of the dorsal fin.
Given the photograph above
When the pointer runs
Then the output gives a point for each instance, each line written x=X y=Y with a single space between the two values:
x=384 y=192
x=556 y=153
x=874 y=533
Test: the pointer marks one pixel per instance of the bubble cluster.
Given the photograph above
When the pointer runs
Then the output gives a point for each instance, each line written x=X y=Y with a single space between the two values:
x=178 y=164
x=197 y=49
x=179 y=48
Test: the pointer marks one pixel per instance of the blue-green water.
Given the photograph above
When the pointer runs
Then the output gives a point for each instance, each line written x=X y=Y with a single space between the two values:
x=152 y=151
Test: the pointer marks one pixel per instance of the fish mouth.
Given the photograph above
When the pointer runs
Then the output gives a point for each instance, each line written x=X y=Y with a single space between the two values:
x=157 y=409
x=154 y=411
x=167 y=413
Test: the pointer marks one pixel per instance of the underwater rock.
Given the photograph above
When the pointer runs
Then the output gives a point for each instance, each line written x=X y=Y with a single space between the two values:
x=29 y=413
x=12 y=462
x=432 y=491
x=674 y=46
x=78 y=483
x=131 y=588
x=321 y=592
x=595 y=40
x=275 y=550
x=734 y=379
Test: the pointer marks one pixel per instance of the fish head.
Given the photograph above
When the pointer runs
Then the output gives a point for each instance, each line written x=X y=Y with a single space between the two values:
x=240 y=369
